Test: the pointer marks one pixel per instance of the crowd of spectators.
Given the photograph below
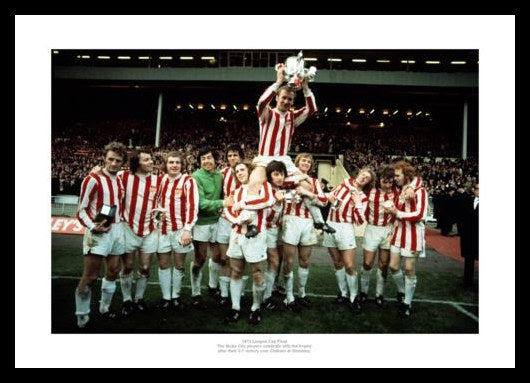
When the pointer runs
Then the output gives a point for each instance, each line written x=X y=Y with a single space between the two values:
x=76 y=148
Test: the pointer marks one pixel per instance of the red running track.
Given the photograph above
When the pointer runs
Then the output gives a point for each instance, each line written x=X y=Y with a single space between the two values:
x=448 y=246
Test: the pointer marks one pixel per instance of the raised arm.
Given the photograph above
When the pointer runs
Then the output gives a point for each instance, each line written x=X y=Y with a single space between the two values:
x=269 y=94
x=310 y=107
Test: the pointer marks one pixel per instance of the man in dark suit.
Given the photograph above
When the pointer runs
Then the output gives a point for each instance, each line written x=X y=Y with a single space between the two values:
x=467 y=222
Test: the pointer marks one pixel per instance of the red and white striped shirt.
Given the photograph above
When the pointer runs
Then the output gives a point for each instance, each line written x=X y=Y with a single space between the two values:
x=180 y=197
x=375 y=213
x=230 y=182
x=299 y=209
x=415 y=183
x=260 y=206
x=276 y=129
x=348 y=212
x=97 y=190
x=275 y=214
x=141 y=193
x=409 y=227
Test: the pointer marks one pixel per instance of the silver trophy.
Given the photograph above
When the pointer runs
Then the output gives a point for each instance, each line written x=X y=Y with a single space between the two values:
x=295 y=72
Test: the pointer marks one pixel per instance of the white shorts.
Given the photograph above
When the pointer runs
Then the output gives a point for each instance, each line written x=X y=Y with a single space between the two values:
x=273 y=238
x=109 y=243
x=147 y=244
x=253 y=250
x=171 y=242
x=298 y=231
x=224 y=228
x=265 y=160
x=205 y=233
x=407 y=253
x=377 y=237
x=343 y=238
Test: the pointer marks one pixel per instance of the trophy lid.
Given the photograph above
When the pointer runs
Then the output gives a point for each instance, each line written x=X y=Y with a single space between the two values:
x=105 y=210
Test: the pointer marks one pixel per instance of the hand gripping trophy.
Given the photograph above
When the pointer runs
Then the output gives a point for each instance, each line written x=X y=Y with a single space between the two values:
x=295 y=72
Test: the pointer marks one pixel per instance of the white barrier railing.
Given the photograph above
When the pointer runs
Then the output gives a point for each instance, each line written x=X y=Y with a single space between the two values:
x=64 y=205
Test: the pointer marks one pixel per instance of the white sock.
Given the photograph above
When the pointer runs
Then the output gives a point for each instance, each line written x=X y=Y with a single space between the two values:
x=365 y=280
x=315 y=211
x=400 y=281
x=352 y=285
x=270 y=276
x=177 y=282
x=302 y=280
x=213 y=269
x=164 y=278
x=141 y=285
x=225 y=286
x=410 y=287
x=126 y=286
x=257 y=292
x=289 y=282
x=107 y=291
x=380 y=285
x=341 y=281
x=82 y=301
x=245 y=279
x=195 y=281
x=236 y=285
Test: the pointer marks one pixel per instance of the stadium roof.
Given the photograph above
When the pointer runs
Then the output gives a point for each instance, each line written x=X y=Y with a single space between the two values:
x=424 y=60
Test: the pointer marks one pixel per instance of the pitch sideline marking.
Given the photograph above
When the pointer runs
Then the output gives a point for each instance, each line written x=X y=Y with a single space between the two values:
x=456 y=305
